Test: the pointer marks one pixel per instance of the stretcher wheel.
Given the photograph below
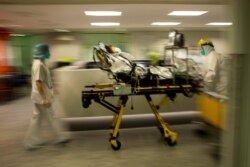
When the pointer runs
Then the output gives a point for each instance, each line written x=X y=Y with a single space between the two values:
x=115 y=144
x=86 y=102
x=171 y=141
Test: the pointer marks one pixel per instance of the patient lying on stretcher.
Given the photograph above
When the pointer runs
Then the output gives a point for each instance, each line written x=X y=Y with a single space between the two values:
x=122 y=67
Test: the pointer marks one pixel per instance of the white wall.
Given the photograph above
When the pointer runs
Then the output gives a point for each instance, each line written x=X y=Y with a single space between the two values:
x=64 y=45
x=219 y=38
x=142 y=42
x=71 y=45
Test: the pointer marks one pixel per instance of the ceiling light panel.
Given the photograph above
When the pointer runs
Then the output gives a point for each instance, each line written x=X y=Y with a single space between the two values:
x=103 y=13
x=61 y=30
x=18 y=35
x=187 y=13
x=219 y=24
x=105 y=24
x=165 y=23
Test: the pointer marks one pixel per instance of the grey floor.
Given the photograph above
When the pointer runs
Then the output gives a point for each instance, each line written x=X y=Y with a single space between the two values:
x=141 y=147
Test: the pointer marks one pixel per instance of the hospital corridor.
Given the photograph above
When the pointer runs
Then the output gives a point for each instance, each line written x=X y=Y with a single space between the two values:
x=117 y=83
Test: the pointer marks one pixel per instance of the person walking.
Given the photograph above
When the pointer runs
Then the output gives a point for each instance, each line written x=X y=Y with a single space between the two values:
x=213 y=68
x=42 y=97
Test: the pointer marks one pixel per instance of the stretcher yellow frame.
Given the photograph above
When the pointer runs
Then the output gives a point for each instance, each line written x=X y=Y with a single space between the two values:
x=99 y=92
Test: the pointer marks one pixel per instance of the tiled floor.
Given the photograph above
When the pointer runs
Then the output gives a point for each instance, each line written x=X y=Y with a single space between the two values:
x=141 y=147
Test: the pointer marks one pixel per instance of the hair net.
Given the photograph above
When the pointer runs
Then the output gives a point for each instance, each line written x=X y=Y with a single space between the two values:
x=41 y=51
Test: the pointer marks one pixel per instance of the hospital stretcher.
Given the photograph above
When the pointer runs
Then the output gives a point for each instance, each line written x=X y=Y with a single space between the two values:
x=147 y=86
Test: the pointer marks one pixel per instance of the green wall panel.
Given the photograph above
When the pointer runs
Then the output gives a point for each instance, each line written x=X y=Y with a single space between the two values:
x=22 y=51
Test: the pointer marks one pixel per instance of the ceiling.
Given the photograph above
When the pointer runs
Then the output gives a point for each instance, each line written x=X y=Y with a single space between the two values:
x=33 y=16
x=113 y=1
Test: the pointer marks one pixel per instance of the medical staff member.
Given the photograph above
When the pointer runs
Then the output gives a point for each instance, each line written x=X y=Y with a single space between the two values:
x=212 y=68
x=42 y=97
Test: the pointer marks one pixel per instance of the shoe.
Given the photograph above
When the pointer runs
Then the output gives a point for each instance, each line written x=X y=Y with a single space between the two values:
x=62 y=141
x=31 y=147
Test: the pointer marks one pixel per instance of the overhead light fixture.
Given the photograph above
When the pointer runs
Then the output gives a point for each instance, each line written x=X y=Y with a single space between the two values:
x=11 y=25
x=66 y=38
x=187 y=13
x=61 y=30
x=103 y=13
x=18 y=35
x=219 y=23
x=105 y=24
x=15 y=25
x=165 y=23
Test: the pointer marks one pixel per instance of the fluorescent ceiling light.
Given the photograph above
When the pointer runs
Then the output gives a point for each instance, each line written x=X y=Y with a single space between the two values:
x=103 y=13
x=165 y=23
x=15 y=25
x=17 y=35
x=11 y=25
x=61 y=30
x=187 y=13
x=219 y=23
x=65 y=38
x=105 y=24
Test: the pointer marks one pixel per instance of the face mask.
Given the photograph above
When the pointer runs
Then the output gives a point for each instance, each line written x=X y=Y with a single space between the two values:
x=203 y=52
